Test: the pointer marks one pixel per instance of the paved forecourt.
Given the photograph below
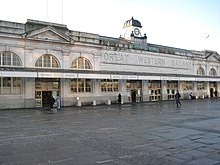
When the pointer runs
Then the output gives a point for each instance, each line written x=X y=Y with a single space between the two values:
x=141 y=133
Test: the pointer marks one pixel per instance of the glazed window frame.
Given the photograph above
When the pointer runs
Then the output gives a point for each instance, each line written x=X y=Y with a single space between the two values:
x=109 y=85
x=200 y=85
x=200 y=71
x=47 y=61
x=81 y=85
x=10 y=85
x=8 y=58
x=187 y=85
x=212 y=72
x=81 y=63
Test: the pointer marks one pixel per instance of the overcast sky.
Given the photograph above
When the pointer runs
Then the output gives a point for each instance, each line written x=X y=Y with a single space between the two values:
x=187 y=24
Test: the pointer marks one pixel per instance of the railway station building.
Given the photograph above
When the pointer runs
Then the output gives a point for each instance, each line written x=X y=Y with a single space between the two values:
x=42 y=59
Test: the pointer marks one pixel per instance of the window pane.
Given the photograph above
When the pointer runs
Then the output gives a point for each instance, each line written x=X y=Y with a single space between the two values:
x=6 y=85
x=54 y=63
x=87 y=64
x=16 y=85
x=81 y=85
x=6 y=57
x=88 y=85
x=46 y=60
x=16 y=61
x=74 y=64
x=39 y=62
x=80 y=63
x=73 y=85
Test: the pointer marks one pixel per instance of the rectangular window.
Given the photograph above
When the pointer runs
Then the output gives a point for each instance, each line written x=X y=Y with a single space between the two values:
x=88 y=86
x=6 y=85
x=187 y=85
x=73 y=85
x=16 y=85
x=200 y=85
x=10 y=85
x=108 y=85
x=81 y=85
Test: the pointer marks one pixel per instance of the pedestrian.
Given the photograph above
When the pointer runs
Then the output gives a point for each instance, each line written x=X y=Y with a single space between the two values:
x=119 y=98
x=52 y=101
x=58 y=103
x=191 y=96
x=177 y=97
x=216 y=93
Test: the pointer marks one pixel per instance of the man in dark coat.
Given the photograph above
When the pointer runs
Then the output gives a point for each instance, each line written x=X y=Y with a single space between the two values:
x=177 y=97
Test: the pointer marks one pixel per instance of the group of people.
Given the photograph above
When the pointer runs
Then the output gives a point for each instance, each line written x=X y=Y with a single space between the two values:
x=58 y=101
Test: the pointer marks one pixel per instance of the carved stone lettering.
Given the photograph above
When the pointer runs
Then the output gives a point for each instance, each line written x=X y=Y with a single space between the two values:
x=114 y=57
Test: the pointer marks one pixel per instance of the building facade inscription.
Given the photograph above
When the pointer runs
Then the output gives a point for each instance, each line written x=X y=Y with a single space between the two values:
x=144 y=60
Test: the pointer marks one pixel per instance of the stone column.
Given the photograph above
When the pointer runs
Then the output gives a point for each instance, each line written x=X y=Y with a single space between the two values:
x=123 y=89
x=164 y=90
x=194 y=88
x=218 y=88
x=145 y=90
x=207 y=89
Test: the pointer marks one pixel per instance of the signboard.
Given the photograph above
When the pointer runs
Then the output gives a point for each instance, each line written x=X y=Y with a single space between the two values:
x=50 y=75
x=17 y=74
x=94 y=76
x=149 y=77
x=69 y=75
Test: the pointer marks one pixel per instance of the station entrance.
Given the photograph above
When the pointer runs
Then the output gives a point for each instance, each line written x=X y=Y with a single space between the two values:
x=154 y=87
x=213 y=89
x=172 y=87
x=45 y=88
x=134 y=90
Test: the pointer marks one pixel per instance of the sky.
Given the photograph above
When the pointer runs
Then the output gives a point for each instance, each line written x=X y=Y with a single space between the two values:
x=186 y=24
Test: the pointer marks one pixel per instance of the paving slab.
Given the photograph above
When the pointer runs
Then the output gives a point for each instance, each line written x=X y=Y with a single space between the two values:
x=138 y=133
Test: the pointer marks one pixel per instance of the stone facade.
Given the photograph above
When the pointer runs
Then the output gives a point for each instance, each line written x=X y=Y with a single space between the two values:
x=39 y=59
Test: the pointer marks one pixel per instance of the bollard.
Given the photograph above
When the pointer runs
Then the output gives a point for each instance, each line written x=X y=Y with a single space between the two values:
x=122 y=101
x=94 y=103
x=78 y=104
x=109 y=102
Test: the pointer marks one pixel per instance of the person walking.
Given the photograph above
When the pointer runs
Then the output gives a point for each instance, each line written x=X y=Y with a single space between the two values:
x=177 y=97
x=119 y=98
x=52 y=101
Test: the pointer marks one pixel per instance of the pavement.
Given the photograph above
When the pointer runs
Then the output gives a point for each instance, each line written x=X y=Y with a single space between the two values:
x=155 y=133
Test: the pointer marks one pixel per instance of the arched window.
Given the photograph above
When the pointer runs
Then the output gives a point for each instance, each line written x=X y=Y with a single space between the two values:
x=212 y=72
x=47 y=61
x=8 y=58
x=81 y=63
x=200 y=71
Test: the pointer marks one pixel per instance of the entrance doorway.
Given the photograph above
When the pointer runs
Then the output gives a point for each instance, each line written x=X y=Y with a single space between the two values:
x=154 y=88
x=172 y=87
x=45 y=88
x=134 y=90
x=211 y=92
x=46 y=98
x=213 y=89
